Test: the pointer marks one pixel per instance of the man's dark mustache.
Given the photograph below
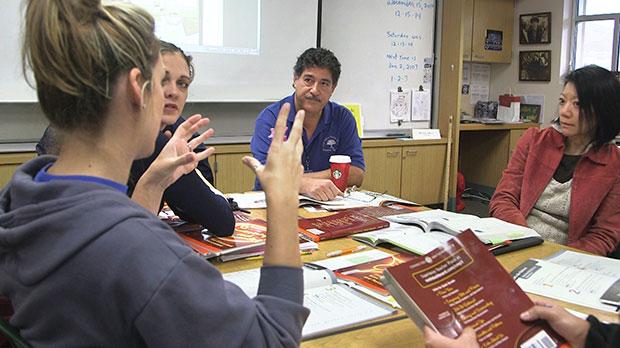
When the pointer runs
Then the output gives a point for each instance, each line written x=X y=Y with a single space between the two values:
x=313 y=97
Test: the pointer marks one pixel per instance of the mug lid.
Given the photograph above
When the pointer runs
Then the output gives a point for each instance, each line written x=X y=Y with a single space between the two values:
x=339 y=159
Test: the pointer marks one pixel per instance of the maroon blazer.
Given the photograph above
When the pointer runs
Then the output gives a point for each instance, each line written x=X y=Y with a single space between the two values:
x=594 y=220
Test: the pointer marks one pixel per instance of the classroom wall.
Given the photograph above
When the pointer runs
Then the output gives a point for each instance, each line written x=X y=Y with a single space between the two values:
x=505 y=76
x=24 y=122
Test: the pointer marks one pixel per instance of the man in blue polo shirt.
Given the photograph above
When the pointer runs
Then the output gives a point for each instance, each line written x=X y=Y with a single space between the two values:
x=329 y=128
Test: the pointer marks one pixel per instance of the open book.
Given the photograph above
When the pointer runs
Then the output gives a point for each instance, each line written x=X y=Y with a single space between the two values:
x=332 y=305
x=336 y=264
x=583 y=279
x=488 y=229
x=248 y=239
x=354 y=199
x=461 y=284
x=403 y=238
x=368 y=273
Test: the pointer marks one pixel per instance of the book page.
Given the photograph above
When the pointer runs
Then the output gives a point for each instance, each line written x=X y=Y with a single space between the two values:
x=595 y=263
x=337 y=306
x=334 y=263
x=428 y=219
x=564 y=282
x=332 y=306
x=248 y=280
x=409 y=238
x=356 y=199
x=488 y=230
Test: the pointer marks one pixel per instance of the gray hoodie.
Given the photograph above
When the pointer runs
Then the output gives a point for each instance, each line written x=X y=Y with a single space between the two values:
x=85 y=266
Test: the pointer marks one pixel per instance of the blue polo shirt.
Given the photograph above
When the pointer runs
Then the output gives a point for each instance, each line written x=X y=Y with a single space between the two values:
x=336 y=134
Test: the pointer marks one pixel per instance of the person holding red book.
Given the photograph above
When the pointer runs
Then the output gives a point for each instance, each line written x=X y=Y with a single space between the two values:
x=578 y=333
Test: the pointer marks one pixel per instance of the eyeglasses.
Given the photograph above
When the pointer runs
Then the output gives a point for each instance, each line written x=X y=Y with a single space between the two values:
x=356 y=194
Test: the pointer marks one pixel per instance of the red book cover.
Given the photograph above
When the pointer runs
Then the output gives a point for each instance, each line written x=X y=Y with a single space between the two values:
x=368 y=274
x=247 y=236
x=341 y=224
x=462 y=284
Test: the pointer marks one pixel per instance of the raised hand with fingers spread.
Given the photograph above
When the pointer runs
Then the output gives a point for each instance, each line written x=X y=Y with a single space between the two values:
x=176 y=159
x=280 y=177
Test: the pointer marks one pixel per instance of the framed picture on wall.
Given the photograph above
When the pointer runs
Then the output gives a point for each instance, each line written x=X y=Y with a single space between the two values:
x=529 y=112
x=535 y=65
x=535 y=28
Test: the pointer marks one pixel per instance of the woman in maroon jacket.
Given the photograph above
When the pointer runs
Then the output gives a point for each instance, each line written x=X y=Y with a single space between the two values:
x=564 y=180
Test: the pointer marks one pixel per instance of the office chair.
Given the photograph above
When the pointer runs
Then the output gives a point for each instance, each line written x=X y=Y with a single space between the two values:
x=15 y=340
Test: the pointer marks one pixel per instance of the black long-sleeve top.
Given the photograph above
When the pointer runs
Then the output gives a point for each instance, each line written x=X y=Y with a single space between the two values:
x=602 y=335
x=190 y=197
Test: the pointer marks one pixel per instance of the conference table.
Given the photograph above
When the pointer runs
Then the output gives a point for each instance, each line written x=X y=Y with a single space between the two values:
x=398 y=330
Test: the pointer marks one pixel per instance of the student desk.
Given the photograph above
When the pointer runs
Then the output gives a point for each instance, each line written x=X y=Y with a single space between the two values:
x=485 y=149
x=400 y=331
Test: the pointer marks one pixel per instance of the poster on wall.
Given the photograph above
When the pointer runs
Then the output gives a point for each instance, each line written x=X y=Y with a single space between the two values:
x=493 y=40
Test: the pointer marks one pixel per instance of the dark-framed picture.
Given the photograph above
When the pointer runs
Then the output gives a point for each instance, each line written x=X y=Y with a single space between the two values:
x=535 y=28
x=535 y=65
x=529 y=112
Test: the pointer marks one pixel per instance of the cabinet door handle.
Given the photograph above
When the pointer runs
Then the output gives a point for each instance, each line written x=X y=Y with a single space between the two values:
x=410 y=152
x=393 y=153
x=479 y=56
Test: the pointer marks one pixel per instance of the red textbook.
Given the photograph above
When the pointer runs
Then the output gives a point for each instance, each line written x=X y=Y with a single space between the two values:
x=368 y=274
x=340 y=224
x=248 y=237
x=461 y=284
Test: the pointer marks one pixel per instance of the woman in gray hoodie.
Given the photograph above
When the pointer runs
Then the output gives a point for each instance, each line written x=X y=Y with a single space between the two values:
x=82 y=264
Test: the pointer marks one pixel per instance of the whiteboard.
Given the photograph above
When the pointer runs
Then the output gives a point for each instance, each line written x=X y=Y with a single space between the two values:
x=381 y=44
x=288 y=27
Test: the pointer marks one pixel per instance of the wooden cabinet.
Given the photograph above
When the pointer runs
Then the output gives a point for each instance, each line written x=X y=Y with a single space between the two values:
x=230 y=174
x=383 y=168
x=468 y=22
x=481 y=20
x=423 y=173
x=9 y=162
x=413 y=172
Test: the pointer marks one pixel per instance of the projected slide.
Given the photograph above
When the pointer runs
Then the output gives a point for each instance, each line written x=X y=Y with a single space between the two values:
x=210 y=26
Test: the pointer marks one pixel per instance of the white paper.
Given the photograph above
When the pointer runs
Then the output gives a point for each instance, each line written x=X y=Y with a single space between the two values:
x=254 y=200
x=466 y=73
x=421 y=106
x=479 y=87
x=425 y=134
x=572 y=277
x=400 y=106
x=337 y=306
x=344 y=261
x=248 y=279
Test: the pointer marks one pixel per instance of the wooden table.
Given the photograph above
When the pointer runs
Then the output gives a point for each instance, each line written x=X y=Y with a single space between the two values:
x=401 y=332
